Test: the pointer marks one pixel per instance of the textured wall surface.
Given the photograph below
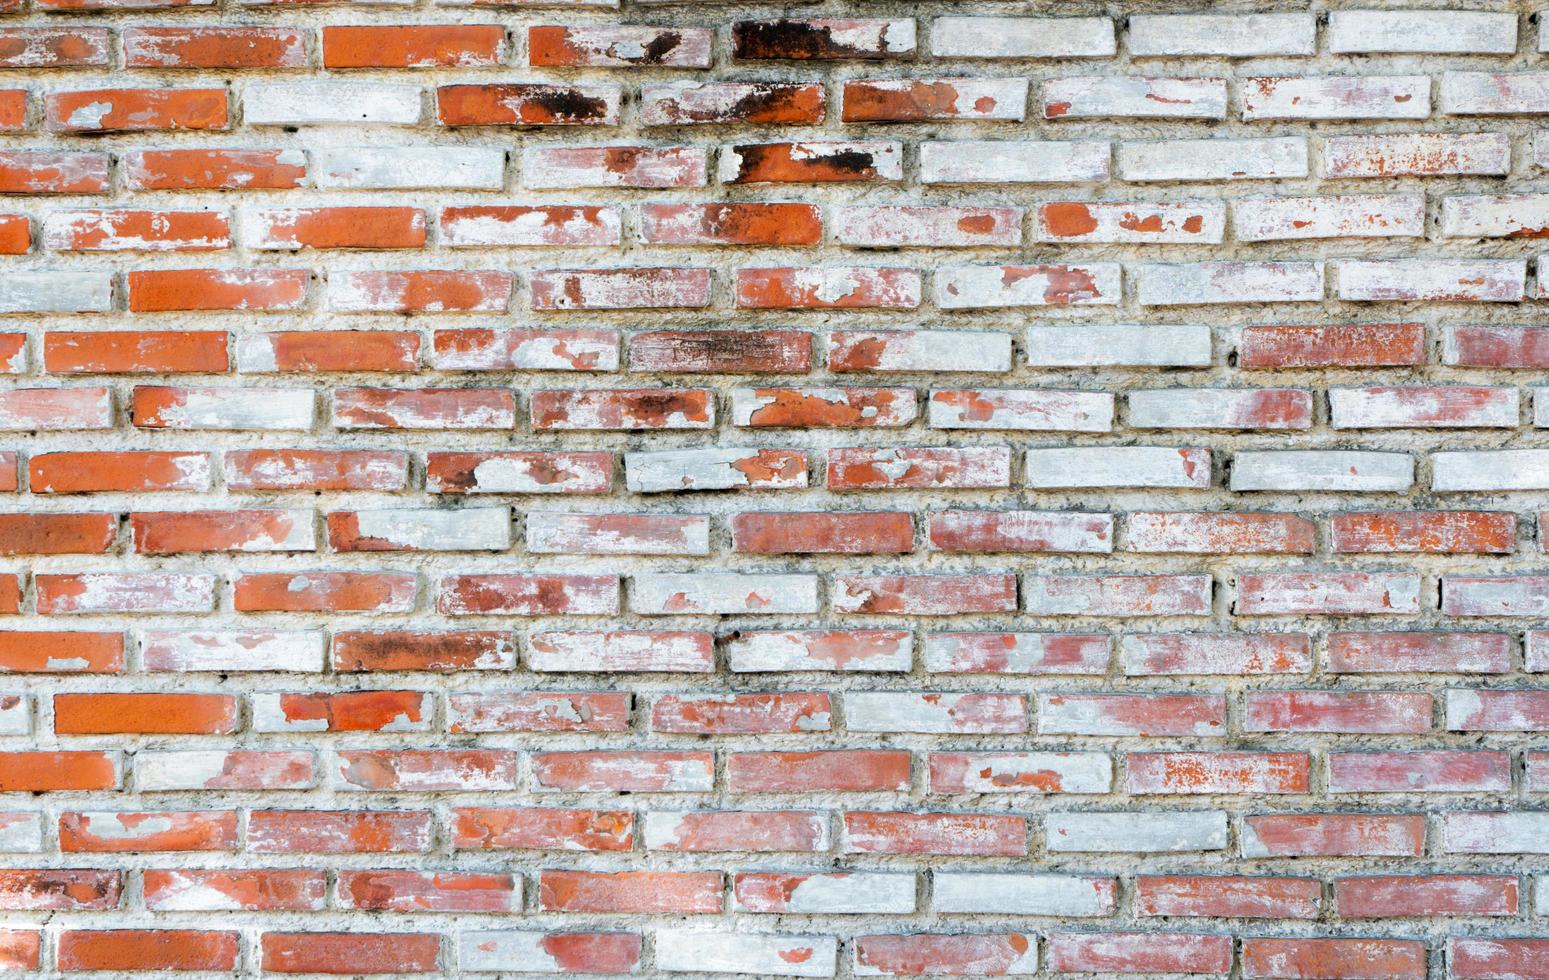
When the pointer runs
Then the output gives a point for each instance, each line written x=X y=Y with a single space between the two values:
x=956 y=488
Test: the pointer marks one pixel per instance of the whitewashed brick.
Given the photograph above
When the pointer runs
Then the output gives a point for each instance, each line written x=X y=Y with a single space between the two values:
x=1015 y=653
x=233 y=650
x=1014 y=162
x=1494 y=832
x=906 y=711
x=935 y=227
x=1482 y=93
x=1421 y=32
x=1119 y=345
x=1423 y=407
x=668 y=470
x=1326 y=470
x=510 y=950
x=1213 y=159
x=750 y=651
x=1423 y=154
x=1437 y=280
x=1227 y=35
x=1275 y=219
x=469 y=529
x=1136 y=833
x=982 y=99
x=331 y=103
x=264 y=409
x=997 y=893
x=1029 y=410
x=975 y=287
x=1495 y=216
x=722 y=594
x=21 y=832
x=568 y=167
x=1134 y=97
x=474 y=168
x=1336 y=97
x=1493 y=469
x=56 y=292
x=1228 y=282
x=843 y=893
x=1117 y=466
x=1022 y=37
x=1022 y=772
x=697 y=951
x=1219 y=408
x=966 y=351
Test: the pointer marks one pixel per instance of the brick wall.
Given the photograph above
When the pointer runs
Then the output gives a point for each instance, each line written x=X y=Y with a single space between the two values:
x=972 y=488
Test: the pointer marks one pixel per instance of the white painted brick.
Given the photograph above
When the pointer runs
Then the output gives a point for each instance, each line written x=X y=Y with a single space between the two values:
x=1541 y=408
x=1274 y=219
x=15 y=716
x=331 y=103
x=847 y=893
x=1014 y=162
x=1134 y=97
x=743 y=952
x=264 y=409
x=1117 y=466
x=1228 y=282
x=1216 y=408
x=469 y=529
x=974 y=287
x=1423 y=407
x=474 y=168
x=1015 y=653
x=1022 y=37
x=1482 y=93
x=1495 y=469
x=567 y=167
x=1421 y=32
x=1125 y=223
x=937 y=350
x=56 y=292
x=1213 y=159
x=191 y=769
x=1227 y=35
x=664 y=471
x=233 y=650
x=1027 y=410
x=722 y=594
x=936 y=227
x=1495 y=216
x=905 y=711
x=510 y=950
x=1336 y=97
x=1119 y=345
x=21 y=833
x=1399 y=154
x=1494 y=832
x=997 y=893
x=758 y=651
x=1143 y=832
x=1441 y=280
x=1326 y=470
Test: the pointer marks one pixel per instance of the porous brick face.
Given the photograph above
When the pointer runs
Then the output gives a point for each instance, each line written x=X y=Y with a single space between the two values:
x=597 y=487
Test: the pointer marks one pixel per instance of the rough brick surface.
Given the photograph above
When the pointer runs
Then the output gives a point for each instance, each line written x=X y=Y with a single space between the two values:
x=640 y=487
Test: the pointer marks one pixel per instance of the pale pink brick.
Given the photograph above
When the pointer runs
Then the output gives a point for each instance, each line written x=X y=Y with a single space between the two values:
x=993 y=287
x=1336 y=97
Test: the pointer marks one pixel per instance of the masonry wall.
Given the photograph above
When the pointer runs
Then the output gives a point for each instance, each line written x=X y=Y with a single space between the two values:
x=955 y=488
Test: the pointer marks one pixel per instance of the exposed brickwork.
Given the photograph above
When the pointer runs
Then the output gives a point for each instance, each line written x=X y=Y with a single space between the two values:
x=881 y=489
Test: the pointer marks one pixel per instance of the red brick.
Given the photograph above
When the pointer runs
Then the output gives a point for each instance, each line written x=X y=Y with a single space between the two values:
x=63 y=890
x=135 y=352
x=147 y=949
x=1399 y=896
x=45 y=771
x=147 y=831
x=350 y=952
x=26 y=652
x=982 y=834
x=1334 y=959
x=57 y=534
x=414 y=46
x=215 y=47
x=527 y=104
x=1154 y=952
x=255 y=890
x=336 y=227
x=175 y=290
x=339 y=831
x=854 y=771
x=731 y=224
x=823 y=533
x=541 y=829
x=93 y=472
x=1227 y=896
x=418 y=891
x=633 y=892
x=325 y=592
x=216 y=169
x=145 y=714
x=1427 y=532
x=136 y=110
x=1334 y=345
